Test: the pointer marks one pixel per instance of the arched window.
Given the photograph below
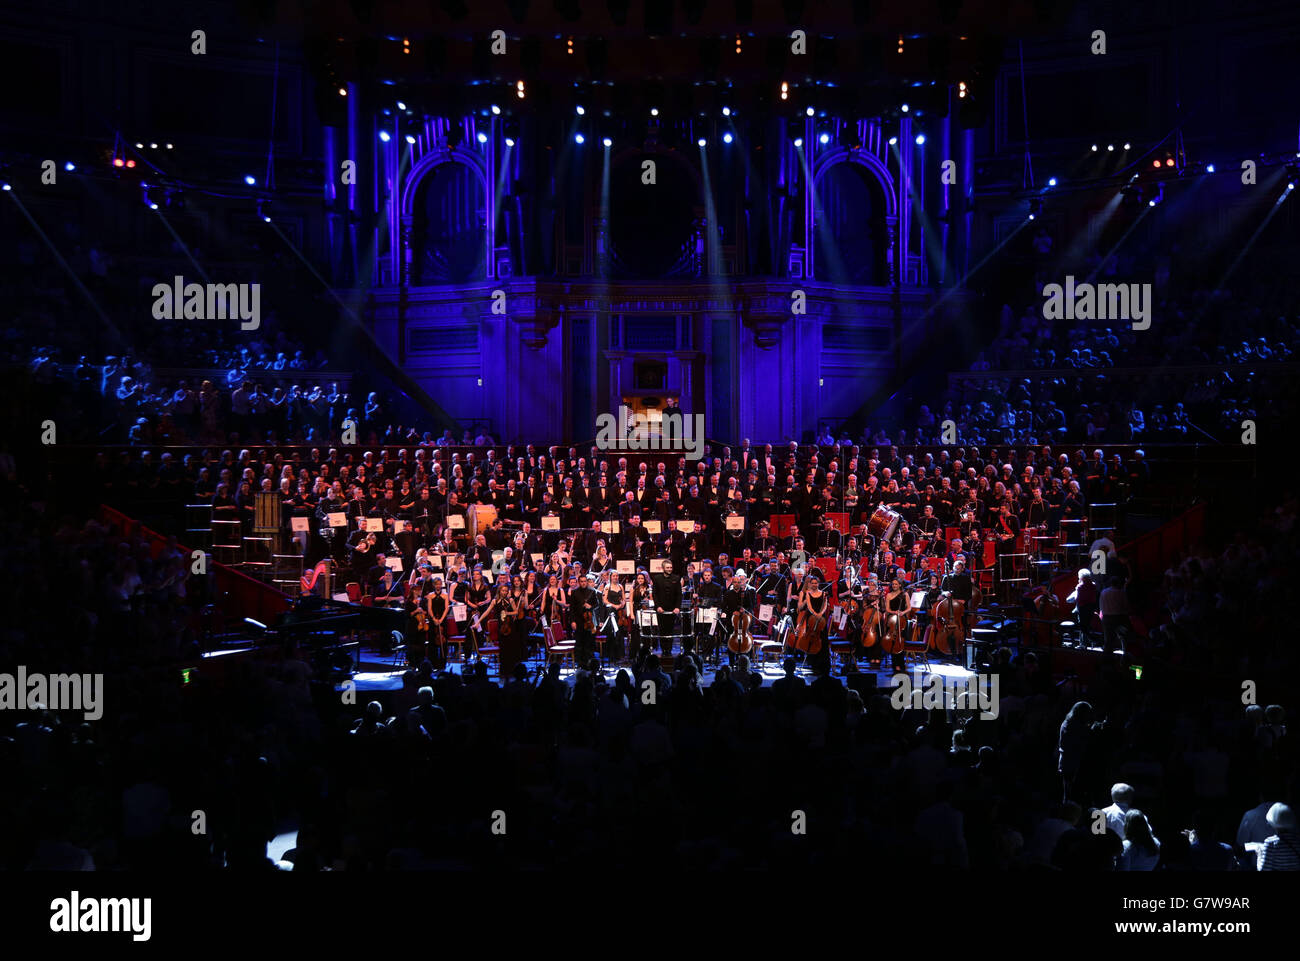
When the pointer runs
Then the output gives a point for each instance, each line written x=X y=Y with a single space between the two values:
x=450 y=225
x=851 y=235
x=651 y=227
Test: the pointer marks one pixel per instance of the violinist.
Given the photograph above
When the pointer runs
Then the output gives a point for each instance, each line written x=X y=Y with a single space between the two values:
x=642 y=599
x=583 y=601
x=477 y=601
x=555 y=607
x=616 y=621
x=437 y=606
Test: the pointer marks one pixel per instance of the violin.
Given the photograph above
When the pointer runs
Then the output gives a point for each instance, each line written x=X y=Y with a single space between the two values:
x=507 y=621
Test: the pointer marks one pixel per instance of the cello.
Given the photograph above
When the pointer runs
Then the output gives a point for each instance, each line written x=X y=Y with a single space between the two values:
x=811 y=634
x=892 y=640
x=741 y=640
x=871 y=626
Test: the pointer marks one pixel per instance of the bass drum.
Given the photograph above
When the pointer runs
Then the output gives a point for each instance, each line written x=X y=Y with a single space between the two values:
x=883 y=523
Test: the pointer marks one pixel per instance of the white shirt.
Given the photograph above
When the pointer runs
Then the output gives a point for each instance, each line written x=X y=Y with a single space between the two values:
x=1133 y=859
x=1115 y=818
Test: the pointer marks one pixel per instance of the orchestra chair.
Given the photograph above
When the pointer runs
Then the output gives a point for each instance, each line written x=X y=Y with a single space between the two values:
x=450 y=639
x=354 y=592
x=490 y=649
x=770 y=649
x=563 y=648
x=916 y=652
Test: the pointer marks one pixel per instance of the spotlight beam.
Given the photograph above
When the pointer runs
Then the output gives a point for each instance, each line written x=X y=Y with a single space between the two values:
x=63 y=263
x=392 y=370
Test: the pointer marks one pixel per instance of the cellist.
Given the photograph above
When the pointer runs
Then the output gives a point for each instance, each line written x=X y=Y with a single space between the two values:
x=896 y=607
x=815 y=604
x=737 y=597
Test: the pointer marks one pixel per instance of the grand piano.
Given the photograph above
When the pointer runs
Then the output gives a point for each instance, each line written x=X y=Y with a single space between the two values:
x=329 y=630
x=319 y=615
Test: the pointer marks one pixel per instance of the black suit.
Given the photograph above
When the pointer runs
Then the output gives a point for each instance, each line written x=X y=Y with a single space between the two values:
x=667 y=590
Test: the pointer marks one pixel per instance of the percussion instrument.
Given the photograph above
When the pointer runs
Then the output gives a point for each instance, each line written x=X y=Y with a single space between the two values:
x=481 y=517
x=882 y=523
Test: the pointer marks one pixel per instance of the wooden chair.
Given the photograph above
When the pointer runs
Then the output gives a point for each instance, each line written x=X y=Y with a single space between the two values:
x=564 y=648
x=915 y=650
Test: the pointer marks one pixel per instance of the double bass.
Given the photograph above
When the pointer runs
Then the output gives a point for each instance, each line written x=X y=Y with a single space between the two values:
x=947 y=626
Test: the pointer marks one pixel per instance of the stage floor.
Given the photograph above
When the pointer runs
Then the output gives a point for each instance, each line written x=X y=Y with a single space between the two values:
x=376 y=671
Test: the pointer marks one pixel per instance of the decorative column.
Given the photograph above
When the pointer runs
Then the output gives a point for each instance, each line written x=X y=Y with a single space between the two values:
x=406 y=252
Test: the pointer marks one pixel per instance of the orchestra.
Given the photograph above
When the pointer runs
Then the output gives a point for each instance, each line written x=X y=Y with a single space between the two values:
x=559 y=550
